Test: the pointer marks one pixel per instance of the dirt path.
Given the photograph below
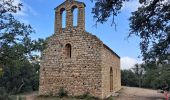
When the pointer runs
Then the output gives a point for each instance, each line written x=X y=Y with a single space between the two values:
x=131 y=93
x=127 y=93
x=31 y=96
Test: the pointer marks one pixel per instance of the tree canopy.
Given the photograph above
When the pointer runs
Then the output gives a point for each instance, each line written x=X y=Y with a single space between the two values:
x=150 y=22
x=150 y=75
x=18 y=71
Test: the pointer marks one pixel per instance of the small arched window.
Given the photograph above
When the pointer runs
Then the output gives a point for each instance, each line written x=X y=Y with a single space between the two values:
x=68 y=50
x=75 y=15
x=63 y=17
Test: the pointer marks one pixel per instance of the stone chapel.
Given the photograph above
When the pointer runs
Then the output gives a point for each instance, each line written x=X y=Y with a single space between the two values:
x=76 y=60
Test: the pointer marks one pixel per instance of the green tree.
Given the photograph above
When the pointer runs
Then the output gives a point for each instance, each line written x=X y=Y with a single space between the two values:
x=151 y=22
x=17 y=71
x=104 y=9
x=128 y=78
x=139 y=72
x=148 y=75
x=156 y=75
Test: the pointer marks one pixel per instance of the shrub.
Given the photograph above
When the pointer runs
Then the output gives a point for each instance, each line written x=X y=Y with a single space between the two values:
x=87 y=96
x=4 y=95
x=21 y=98
x=62 y=93
x=110 y=98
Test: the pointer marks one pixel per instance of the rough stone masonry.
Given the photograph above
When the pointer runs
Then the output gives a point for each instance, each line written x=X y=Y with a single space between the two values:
x=76 y=60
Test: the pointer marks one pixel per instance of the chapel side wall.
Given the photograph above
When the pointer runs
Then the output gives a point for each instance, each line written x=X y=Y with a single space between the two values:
x=110 y=60
x=77 y=75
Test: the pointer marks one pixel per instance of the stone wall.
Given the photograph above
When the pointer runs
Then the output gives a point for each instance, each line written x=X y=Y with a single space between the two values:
x=79 y=74
x=110 y=60
x=69 y=6
x=88 y=69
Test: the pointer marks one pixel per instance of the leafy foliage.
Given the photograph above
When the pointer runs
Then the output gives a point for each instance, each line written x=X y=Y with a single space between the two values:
x=156 y=75
x=128 y=78
x=149 y=75
x=104 y=9
x=138 y=70
x=62 y=93
x=151 y=22
x=20 y=78
x=110 y=98
x=4 y=95
x=87 y=96
x=19 y=70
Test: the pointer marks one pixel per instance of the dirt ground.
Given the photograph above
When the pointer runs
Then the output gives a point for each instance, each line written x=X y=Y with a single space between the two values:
x=126 y=93
x=131 y=93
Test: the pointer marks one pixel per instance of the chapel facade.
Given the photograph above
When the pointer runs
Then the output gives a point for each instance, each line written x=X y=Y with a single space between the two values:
x=76 y=60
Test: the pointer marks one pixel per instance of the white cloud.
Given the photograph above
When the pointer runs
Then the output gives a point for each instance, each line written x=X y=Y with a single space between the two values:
x=128 y=62
x=131 y=5
x=24 y=21
x=26 y=10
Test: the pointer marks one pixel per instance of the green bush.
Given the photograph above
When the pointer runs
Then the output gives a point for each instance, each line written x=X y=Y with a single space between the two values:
x=62 y=93
x=21 y=98
x=4 y=95
x=87 y=96
x=110 y=98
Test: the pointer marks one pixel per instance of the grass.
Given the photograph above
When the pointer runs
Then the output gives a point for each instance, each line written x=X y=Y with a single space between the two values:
x=82 y=97
x=70 y=98
x=62 y=96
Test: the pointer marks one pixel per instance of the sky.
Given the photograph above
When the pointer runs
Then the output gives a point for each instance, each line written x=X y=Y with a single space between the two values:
x=40 y=15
